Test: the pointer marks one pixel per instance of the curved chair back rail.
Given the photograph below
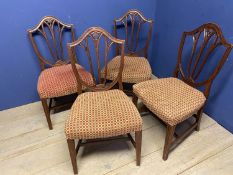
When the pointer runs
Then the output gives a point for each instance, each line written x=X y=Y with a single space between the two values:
x=94 y=35
x=133 y=21
x=183 y=101
x=199 y=57
x=51 y=30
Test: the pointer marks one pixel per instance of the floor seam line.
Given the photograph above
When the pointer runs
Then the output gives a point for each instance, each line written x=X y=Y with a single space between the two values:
x=180 y=173
x=132 y=161
x=9 y=121
x=27 y=132
x=49 y=167
x=33 y=150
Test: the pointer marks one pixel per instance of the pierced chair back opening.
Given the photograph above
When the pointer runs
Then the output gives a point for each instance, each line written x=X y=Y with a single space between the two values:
x=136 y=30
x=49 y=39
x=94 y=47
x=182 y=97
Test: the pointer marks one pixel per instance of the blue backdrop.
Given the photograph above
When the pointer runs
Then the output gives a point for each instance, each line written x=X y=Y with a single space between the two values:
x=19 y=67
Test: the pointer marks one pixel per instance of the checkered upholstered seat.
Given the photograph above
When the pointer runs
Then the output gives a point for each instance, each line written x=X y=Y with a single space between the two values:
x=102 y=114
x=60 y=81
x=136 y=69
x=170 y=99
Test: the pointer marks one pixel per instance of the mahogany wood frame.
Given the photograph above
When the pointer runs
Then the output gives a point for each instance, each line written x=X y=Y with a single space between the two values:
x=134 y=17
x=101 y=84
x=56 y=51
x=210 y=30
x=95 y=34
x=73 y=150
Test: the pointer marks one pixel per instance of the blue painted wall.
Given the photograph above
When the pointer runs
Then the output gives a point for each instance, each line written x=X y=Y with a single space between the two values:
x=19 y=66
x=173 y=17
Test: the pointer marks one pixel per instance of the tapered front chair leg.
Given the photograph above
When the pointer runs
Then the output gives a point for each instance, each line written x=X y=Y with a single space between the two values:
x=199 y=116
x=138 y=141
x=168 y=141
x=47 y=113
x=72 y=150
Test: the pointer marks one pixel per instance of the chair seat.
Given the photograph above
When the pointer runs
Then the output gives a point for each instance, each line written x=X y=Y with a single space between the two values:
x=170 y=99
x=136 y=69
x=60 y=81
x=102 y=114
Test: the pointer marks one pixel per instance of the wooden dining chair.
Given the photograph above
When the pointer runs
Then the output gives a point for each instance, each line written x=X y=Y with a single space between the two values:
x=136 y=30
x=100 y=113
x=56 y=78
x=182 y=97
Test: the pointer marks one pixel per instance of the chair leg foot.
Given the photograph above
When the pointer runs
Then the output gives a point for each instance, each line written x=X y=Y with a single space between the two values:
x=199 y=116
x=71 y=146
x=168 y=141
x=135 y=100
x=47 y=113
x=198 y=127
x=138 y=141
